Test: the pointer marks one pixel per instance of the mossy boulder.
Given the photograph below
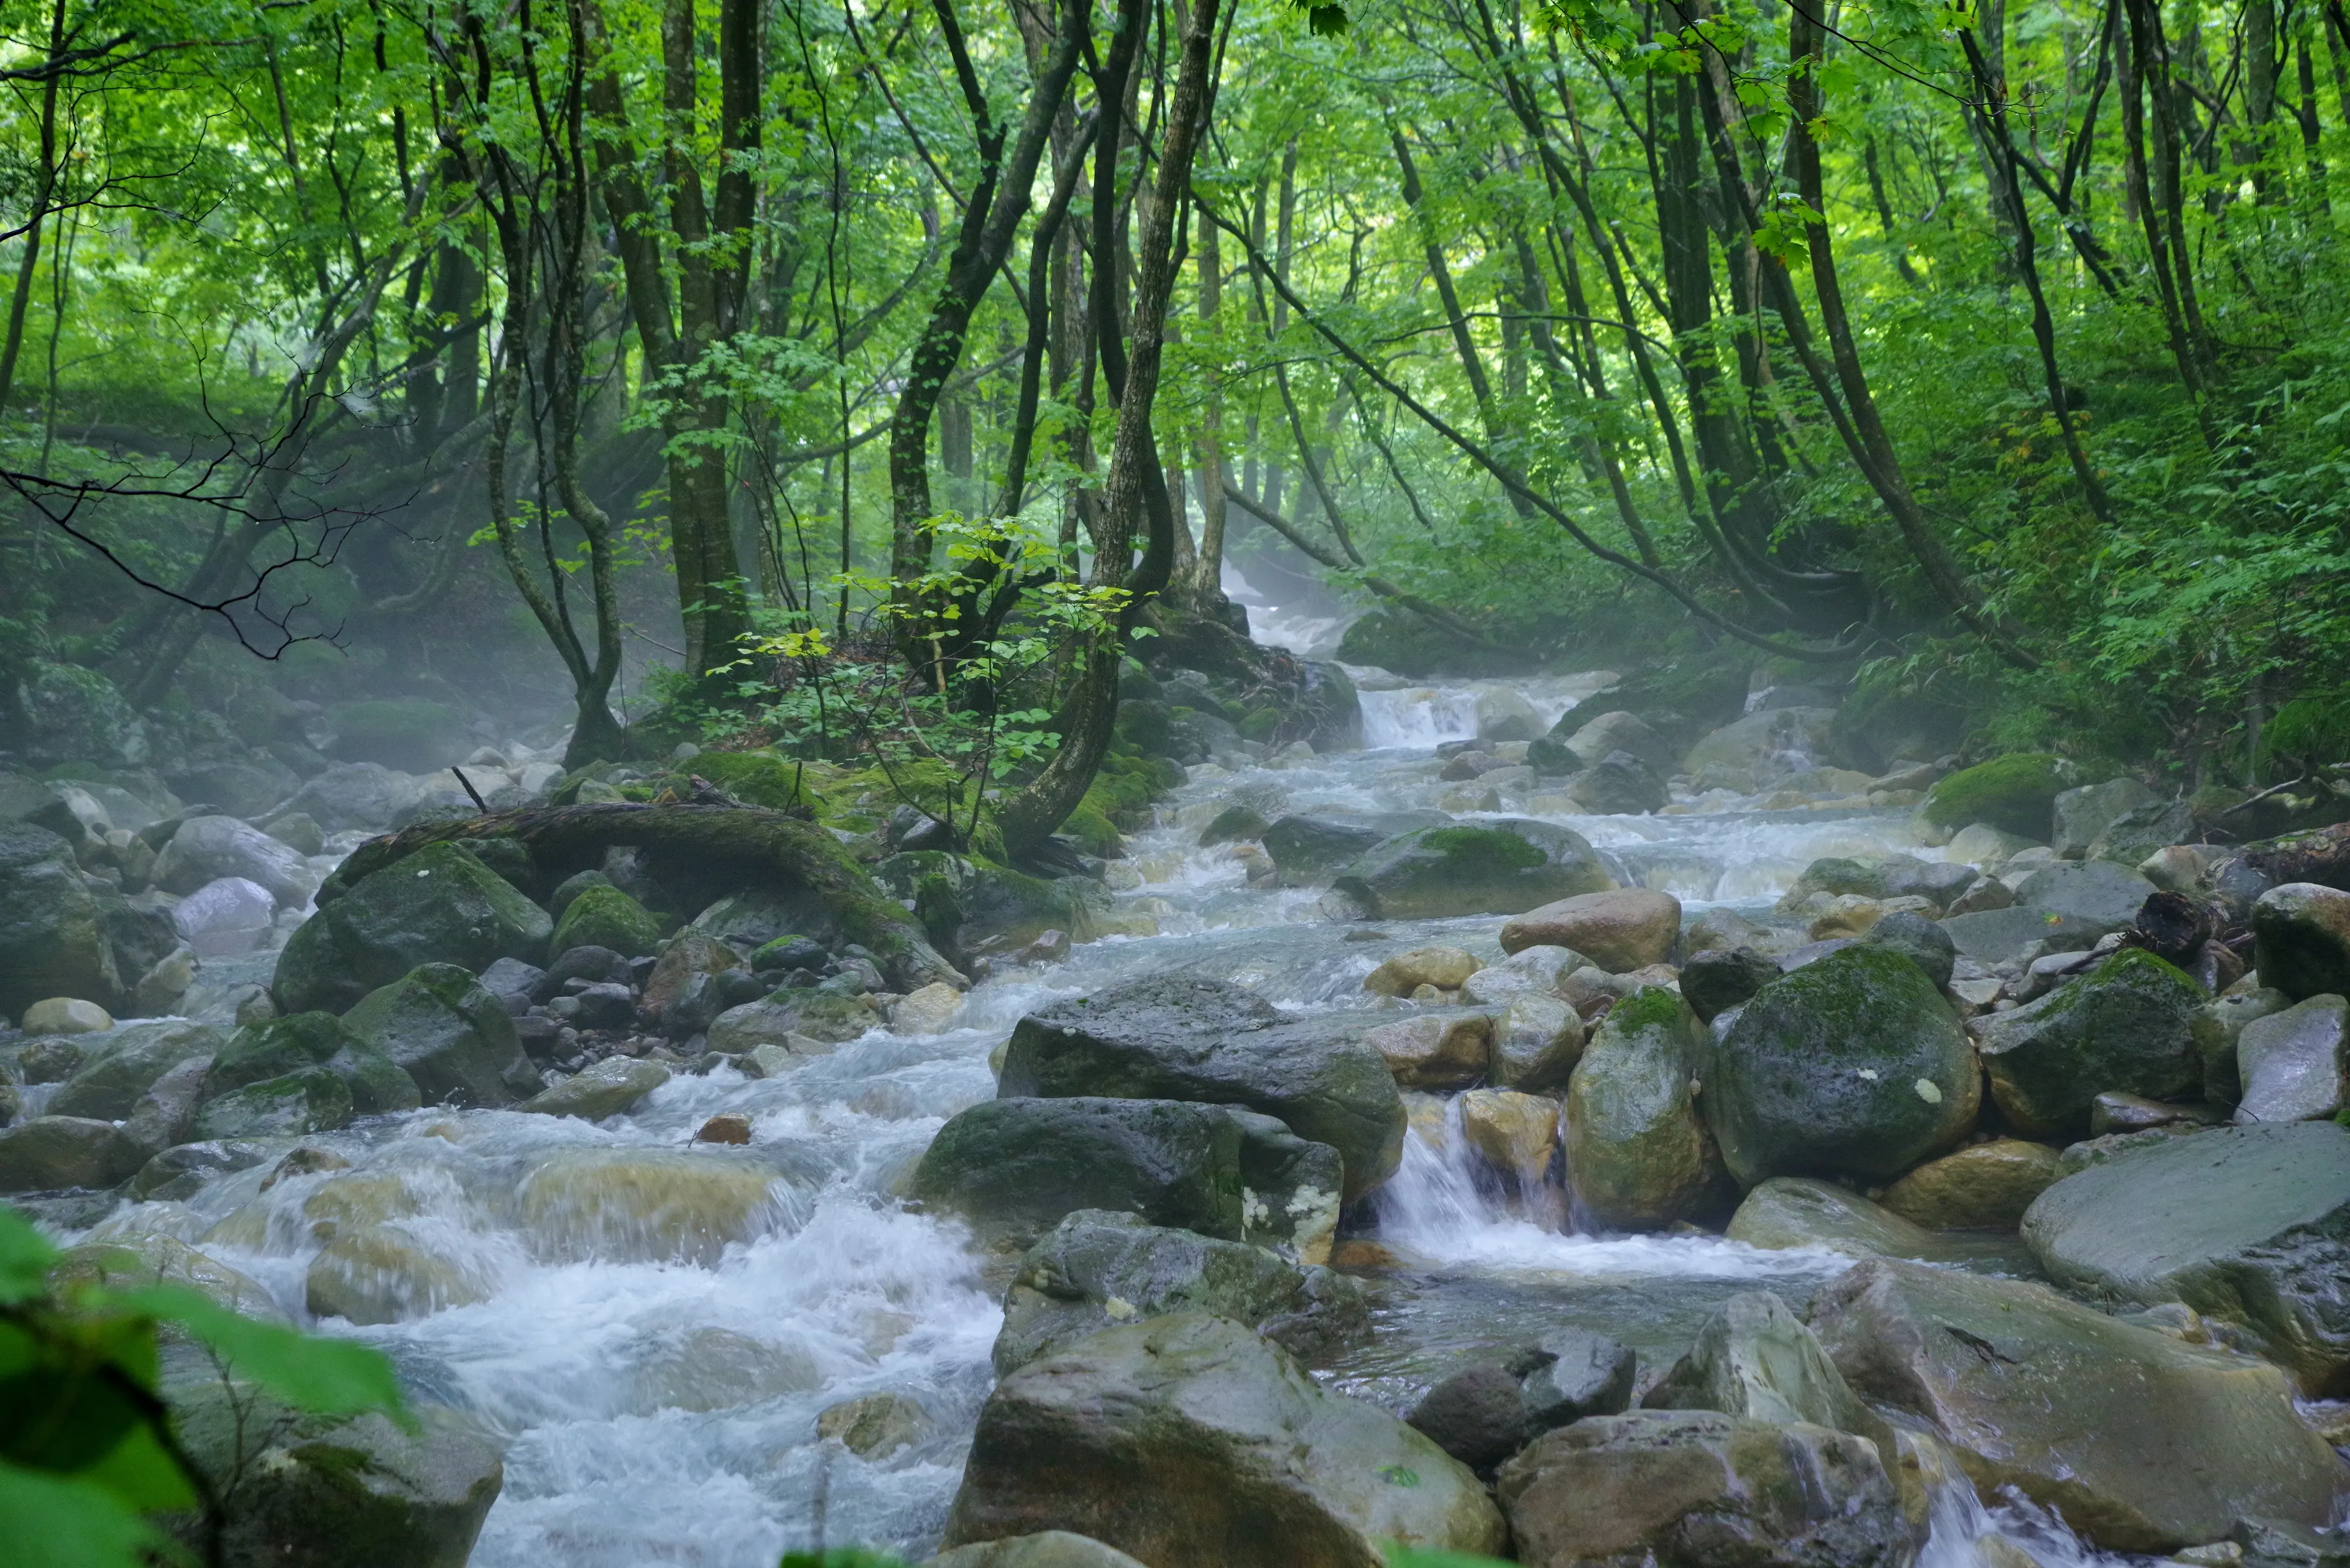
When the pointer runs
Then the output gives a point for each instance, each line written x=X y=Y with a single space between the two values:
x=1016 y=1168
x=310 y=1101
x=122 y=1065
x=1638 y=1157
x=1189 y=1439
x=452 y=1038
x=1853 y=1065
x=2128 y=1025
x=2015 y=794
x=1502 y=867
x=605 y=916
x=1098 y=1268
x=439 y=906
x=278 y=1047
x=1178 y=1037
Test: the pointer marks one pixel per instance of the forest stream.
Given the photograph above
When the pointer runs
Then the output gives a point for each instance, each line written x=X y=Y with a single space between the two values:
x=655 y=1383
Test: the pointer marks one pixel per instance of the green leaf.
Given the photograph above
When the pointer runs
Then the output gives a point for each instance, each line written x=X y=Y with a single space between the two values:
x=26 y=1256
x=323 y=1376
x=142 y=1473
x=57 y=1523
x=1413 y=1557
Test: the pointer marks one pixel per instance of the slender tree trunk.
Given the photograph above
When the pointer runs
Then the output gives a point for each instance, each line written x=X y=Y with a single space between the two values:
x=1028 y=818
x=1882 y=463
x=45 y=188
x=1996 y=133
x=1207 y=586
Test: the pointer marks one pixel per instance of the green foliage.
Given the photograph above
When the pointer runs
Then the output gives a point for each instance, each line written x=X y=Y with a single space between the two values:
x=87 y=1449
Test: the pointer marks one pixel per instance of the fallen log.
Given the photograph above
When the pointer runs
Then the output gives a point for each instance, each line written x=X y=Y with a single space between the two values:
x=744 y=844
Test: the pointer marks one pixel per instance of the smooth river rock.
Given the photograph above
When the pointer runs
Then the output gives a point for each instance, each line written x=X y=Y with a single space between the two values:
x=1620 y=931
x=1189 y=1439
x=2290 y=1064
x=2142 y=1441
x=1100 y=1268
x=1638 y=1157
x=2128 y=1025
x=1986 y=1187
x=1851 y=1065
x=2250 y=1225
x=1501 y=866
x=438 y=905
x=1696 y=1489
x=2300 y=940
x=1177 y=1037
x=1016 y=1168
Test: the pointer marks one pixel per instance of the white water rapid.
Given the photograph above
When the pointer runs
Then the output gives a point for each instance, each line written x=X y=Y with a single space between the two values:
x=650 y=1336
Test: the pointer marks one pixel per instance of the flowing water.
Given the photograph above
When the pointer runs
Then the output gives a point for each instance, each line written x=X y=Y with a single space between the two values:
x=651 y=1334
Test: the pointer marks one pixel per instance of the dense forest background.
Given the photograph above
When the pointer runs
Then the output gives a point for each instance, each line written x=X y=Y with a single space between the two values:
x=700 y=368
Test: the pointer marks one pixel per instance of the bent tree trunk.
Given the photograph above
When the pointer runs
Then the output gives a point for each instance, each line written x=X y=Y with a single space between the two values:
x=749 y=844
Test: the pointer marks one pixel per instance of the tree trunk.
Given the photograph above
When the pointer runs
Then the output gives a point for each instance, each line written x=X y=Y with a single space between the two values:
x=1029 y=817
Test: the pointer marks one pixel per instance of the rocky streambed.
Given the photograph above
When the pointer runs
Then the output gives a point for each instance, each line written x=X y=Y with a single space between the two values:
x=1686 y=1138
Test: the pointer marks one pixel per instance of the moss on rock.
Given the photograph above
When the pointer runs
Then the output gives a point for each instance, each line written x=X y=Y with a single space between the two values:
x=2015 y=794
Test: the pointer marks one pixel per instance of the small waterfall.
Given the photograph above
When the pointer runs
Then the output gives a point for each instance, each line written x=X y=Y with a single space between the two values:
x=1419 y=718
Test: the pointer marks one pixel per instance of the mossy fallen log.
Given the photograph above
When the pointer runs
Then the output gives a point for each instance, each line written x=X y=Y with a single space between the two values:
x=748 y=845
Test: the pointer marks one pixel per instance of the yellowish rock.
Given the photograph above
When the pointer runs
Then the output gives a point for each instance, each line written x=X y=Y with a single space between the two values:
x=646 y=1206
x=1987 y=1187
x=381 y=1274
x=65 y=1016
x=1845 y=915
x=1435 y=1051
x=1448 y=969
x=1514 y=1133
x=925 y=1011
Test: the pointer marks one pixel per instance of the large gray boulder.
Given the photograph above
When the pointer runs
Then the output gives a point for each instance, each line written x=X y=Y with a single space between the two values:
x=1853 y=1065
x=2250 y=1225
x=1754 y=1359
x=354 y=795
x=2083 y=815
x=1309 y=849
x=1750 y=753
x=1638 y=1157
x=276 y=1047
x=2289 y=1064
x=2141 y=1441
x=438 y=905
x=1099 y=1268
x=55 y=939
x=1177 y=1037
x=1622 y=731
x=207 y=848
x=312 y=1100
x=455 y=1039
x=123 y=1063
x=2128 y=1025
x=50 y=1153
x=1997 y=936
x=306 y=1491
x=1499 y=868
x=2300 y=940
x=1016 y=1168
x=2097 y=892
x=1696 y=1489
x=1189 y=1439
